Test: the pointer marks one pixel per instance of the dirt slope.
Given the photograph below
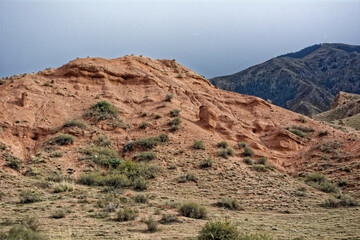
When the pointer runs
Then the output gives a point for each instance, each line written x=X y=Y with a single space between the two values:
x=33 y=108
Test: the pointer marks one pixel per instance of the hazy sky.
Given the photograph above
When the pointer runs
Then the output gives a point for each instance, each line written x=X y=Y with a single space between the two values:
x=213 y=38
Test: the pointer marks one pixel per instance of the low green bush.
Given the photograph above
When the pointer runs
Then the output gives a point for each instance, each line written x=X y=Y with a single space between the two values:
x=225 y=152
x=229 y=203
x=152 y=225
x=74 y=123
x=61 y=139
x=248 y=152
x=193 y=210
x=260 y=168
x=141 y=198
x=104 y=156
x=63 y=187
x=199 y=144
x=145 y=156
x=12 y=161
x=126 y=214
x=207 y=163
x=222 y=144
x=28 y=196
x=248 y=160
x=219 y=230
x=144 y=125
x=58 y=214
x=168 y=218
x=175 y=112
x=323 y=133
x=262 y=160
x=101 y=111
x=168 y=97
x=20 y=232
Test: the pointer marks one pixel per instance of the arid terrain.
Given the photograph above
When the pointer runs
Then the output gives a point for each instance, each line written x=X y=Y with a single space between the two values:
x=95 y=137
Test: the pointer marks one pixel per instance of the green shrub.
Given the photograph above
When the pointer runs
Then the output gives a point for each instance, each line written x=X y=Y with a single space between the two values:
x=152 y=225
x=206 y=163
x=168 y=218
x=340 y=201
x=28 y=196
x=140 y=184
x=31 y=222
x=147 y=143
x=248 y=152
x=262 y=160
x=175 y=112
x=103 y=141
x=74 y=123
x=157 y=116
x=229 y=203
x=103 y=156
x=315 y=177
x=58 y=214
x=126 y=214
x=199 y=144
x=193 y=210
x=320 y=182
x=174 y=128
x=101 y=111
x=143 y=125
x=241 y=144
x=12 y=161
x=168 y=97
x=323 y=133
x=129 y=146
x=248 y=160
x=301 y=119
x=141 y=198
x=56 y=154
x=328 y=187
x=163 y=137
x=298 y=132
x=144 y=114
x=219 y=230
x=260 y=168
x=222 y=144
x=63 y=187
x=62 y=139
x=175 y=122
x=145 y=156
x=19 y=232
x=225 y=152
x=191 y=177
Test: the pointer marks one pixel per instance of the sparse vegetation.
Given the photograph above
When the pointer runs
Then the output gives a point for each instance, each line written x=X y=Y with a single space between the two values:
x=144 y=125
x=226 y=152
x=199 y=144
x=320 y=182
x=175 y=124
x=60 y=213
x=126 y=214
x=63 y=187
x=193 y=210
x=61 y=139
x=248 y=160
x=101 y=111
x=207 y=163
x=229 y=203
x=323 y=133
x=145 y=156
x=168 y=218
x=103 y=156
x=28 y=196
x=12 y=161
x=262 y=160
x=248 y=152
x=157 y=116
x=219 y=230
x=222 y=144
x=260 y=168
x=141 y=198
x=175 y=112
x=340 y=201
x=20 y=232
x=74 y=123
x=152 y=225
x=56 y=154
x=168 y=97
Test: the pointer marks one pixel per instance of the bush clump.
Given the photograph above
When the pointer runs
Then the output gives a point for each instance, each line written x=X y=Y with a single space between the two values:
x=145 y=156
x=226 y=152
x=175 y=112
x=61 y=139
x=175 y=124
x=260 y=168
x=58 y=214
x=168 y=97
x=207 y=163
x=104 y=156
x=222 y=144
x=101 y=111
x=262 y=160
x=248 y=152
x=229 y=203
x=320 y=182
x=20 y=232
x=144 y=125
x=323 y=133
x=193 y=210
x=219 y=230
x=74 y=123
x=168 y=218
x=141 y=198
x=199 y=144
x=126 y=214
x=146 y=143
x=340 y=201
x=248 y=160
x=28 y=196
x=12 y=161
x=63 y=187
x=152 y=225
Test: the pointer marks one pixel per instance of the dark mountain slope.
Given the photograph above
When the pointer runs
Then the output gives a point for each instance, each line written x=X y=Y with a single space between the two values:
x=305 y=81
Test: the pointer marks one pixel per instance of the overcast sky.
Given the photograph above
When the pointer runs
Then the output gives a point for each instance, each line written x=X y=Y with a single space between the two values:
x=213 y=38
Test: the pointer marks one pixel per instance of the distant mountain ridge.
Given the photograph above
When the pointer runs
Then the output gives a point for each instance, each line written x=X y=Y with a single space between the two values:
x=305 y=81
